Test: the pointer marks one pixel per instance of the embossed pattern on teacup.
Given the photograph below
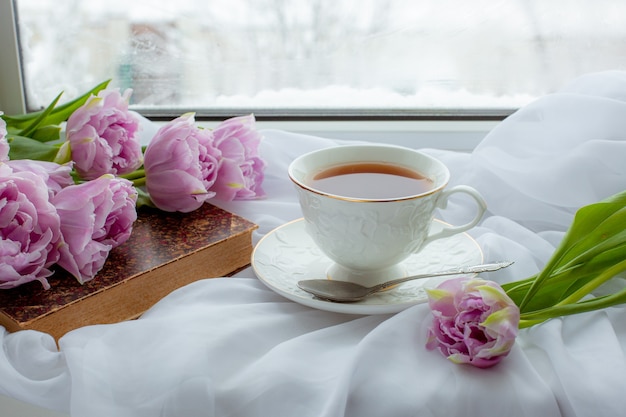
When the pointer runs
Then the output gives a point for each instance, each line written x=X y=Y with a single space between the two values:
x=362 y=235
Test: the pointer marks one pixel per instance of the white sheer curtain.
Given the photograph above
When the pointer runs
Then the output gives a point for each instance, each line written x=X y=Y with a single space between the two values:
x=232 y=347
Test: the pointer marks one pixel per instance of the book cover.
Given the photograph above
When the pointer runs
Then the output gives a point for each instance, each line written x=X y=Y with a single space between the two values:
x=165 y=251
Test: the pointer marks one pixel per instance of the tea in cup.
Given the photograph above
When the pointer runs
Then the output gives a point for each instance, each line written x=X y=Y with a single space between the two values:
x=369 y=207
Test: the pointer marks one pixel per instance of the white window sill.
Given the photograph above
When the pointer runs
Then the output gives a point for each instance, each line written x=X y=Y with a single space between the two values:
x=449 y=135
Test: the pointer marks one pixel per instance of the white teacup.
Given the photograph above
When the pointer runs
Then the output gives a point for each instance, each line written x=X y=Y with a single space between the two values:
x=367 y=237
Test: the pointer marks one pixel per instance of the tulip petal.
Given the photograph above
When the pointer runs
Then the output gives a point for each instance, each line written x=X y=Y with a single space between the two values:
x=30 y=229
x=95 y=216
x=474 y=321
x=181 y=164
x=102 y=136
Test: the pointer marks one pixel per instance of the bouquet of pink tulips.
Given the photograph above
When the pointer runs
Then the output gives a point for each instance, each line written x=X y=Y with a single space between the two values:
x=68 y=202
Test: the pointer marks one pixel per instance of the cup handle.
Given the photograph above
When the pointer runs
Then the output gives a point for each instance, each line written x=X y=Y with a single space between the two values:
x=442 y=202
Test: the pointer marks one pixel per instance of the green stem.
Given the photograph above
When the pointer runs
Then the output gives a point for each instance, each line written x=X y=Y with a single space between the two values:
x=540 y=279
x=594 y=283
x=528 y=319
x=137 y=174
x=139 y=182
x=524 y=323
x=571 y=305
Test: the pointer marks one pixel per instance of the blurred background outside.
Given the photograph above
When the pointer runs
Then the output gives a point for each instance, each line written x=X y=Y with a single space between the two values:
x=328 y=55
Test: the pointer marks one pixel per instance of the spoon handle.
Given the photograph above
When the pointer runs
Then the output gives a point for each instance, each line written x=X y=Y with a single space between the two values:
x=474 y=269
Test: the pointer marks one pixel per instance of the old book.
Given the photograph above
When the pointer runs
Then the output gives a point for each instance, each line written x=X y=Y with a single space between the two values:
x=165 y=251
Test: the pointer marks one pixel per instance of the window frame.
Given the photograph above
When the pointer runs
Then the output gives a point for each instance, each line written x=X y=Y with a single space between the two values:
x=12 y=93
x=436 y=128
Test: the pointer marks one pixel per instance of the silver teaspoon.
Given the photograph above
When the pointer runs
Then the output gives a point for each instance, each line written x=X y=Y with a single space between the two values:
x=348 y=292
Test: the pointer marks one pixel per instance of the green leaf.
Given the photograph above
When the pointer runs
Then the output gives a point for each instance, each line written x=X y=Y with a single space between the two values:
x=606 y=232
x=561 y=285
x=576 y=308
x=34 y=124
x=593 y=284
x=60 y=113
x=26 y=148
x=47 y=133
x=63 y=112
x=518 y=289
x=597 y=229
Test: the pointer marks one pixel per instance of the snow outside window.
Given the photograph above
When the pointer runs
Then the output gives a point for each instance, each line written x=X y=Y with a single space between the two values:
x=400 y=58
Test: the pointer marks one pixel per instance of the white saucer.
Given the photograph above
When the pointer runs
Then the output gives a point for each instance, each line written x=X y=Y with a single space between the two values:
x=287 y=255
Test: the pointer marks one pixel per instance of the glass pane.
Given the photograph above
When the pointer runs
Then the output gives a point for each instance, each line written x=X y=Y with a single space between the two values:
x=321 y=55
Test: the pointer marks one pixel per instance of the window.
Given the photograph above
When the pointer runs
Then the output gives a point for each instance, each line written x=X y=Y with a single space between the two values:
x=318 y=58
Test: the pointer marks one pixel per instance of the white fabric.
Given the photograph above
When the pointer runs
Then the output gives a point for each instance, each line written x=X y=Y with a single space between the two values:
x=232 y=347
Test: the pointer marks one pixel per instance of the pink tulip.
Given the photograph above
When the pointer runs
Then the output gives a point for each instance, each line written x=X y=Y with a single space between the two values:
x=102 y=136
x=96 y=216
x=54 y=175
x=240 y=174
x=475 y=321
x=29 y=229
x=181 y=165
